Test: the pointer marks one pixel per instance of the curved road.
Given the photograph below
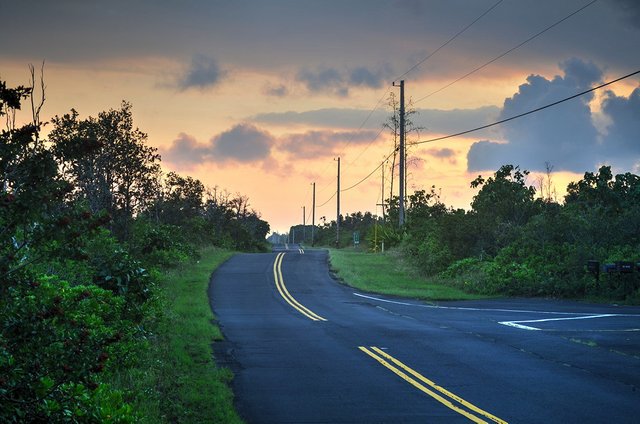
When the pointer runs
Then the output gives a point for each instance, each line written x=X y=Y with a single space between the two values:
x=305 y=349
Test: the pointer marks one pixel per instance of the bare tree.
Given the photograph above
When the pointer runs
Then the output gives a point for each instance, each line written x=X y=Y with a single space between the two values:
x=36 y=107
x=546 y=186
x=410 y=129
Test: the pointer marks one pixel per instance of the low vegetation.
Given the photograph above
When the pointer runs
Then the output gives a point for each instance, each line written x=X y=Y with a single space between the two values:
x=94 y=325
x=386 y=273
x=188 y=386
x=515 y=241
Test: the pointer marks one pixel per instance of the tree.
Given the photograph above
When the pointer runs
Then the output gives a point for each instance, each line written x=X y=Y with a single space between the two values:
x=108 y=162
x=34 y=218
x=504 y=202
x=182 y=199
x=393 y=125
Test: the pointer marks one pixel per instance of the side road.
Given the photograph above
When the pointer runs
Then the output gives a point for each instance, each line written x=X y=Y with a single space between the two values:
x=356 y=357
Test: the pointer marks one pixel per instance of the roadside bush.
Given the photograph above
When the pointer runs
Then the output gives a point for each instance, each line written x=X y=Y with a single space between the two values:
x=467 y=274
x=117 y=271
x=427 y=252
x=160 y=245
x=56 y=344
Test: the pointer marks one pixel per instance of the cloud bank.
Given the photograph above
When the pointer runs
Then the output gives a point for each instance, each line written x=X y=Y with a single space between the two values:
x=563 y=135
x=338 y=82
x=248 y=144
x=244 y=143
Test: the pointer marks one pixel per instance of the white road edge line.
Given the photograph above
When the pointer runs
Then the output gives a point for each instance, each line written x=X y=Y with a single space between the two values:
x=515 y=324
x=526 y=327
x=486 y=309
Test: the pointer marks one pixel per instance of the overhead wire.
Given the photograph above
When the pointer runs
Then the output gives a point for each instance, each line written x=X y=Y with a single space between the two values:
x=367 y=146
x=502 y=121
x=328 y=200
x=520 y=115
x=450 y=39
x=397 y=78
x=508 y=119
x=507 y=52
x=416 y=65
x=370 y=174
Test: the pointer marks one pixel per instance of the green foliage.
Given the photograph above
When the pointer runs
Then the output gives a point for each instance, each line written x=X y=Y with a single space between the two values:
x=513 y=244
x=386 y=234
x=56 y=342
x=192 y=389
x=107 y=161
x=161 y=245
x=325 y=234
x=390 y=274
x=80 y=214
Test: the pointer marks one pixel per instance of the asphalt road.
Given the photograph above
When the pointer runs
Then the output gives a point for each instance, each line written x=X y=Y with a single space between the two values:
x=306 y=349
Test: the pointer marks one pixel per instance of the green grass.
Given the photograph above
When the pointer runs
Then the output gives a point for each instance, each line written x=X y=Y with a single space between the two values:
x=178 y=376
x=387 y=274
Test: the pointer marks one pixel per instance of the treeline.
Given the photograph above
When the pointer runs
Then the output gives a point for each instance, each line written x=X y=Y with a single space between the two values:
x=517 y=241
x=86 y=219
x=324 y=234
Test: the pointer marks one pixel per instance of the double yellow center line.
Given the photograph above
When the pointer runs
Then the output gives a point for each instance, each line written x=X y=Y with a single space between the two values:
x=282 y=289
x=427 y=386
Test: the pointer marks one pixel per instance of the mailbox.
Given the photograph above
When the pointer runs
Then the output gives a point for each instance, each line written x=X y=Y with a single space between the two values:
x=624 y=267
x=593 y=267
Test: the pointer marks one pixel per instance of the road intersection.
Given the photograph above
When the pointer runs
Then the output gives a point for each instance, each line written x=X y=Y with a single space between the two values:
x=305 y=348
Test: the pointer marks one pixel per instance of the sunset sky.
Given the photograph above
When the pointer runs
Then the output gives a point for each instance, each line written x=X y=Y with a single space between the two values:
x=259 y=97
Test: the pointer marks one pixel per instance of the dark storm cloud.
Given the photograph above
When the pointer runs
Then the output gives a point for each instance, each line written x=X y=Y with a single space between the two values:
x=563 y=135
x=314 y=144
x=338 y=82
x=326 y=79
x=203 y=72
x=285 y=33
x=362 y=76
x=242 y=143
x=185 y=151
x=630 y=10
x=247 y=143
x=622 y=141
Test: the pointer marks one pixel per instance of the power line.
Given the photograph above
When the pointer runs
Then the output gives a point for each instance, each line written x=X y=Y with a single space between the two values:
x=450 y=39
x=502 y=121
x=371 y=173
x=367 y=146
x=406 y=73
x=507 y=52
x=491 y=125
x=328 y=200
x=468 y=74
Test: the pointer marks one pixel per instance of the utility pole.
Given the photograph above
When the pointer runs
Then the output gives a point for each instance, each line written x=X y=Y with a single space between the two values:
x=304 y=225
x=401 y=177
x=338 y=208
x=313 y=214
x=382 y=204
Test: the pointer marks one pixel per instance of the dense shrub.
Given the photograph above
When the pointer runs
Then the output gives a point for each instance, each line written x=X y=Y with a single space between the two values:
x=511 y=243
x=56 y=343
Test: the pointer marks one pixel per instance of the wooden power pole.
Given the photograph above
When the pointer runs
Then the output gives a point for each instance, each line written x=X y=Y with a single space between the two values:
x=338 y=208
x=313 y=214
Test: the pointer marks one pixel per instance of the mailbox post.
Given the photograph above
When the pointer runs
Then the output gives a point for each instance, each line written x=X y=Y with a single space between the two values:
x=594 y=268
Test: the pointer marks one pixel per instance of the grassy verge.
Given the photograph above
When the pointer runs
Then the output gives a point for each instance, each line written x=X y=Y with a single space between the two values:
x=387 y=274
x=183 y=383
